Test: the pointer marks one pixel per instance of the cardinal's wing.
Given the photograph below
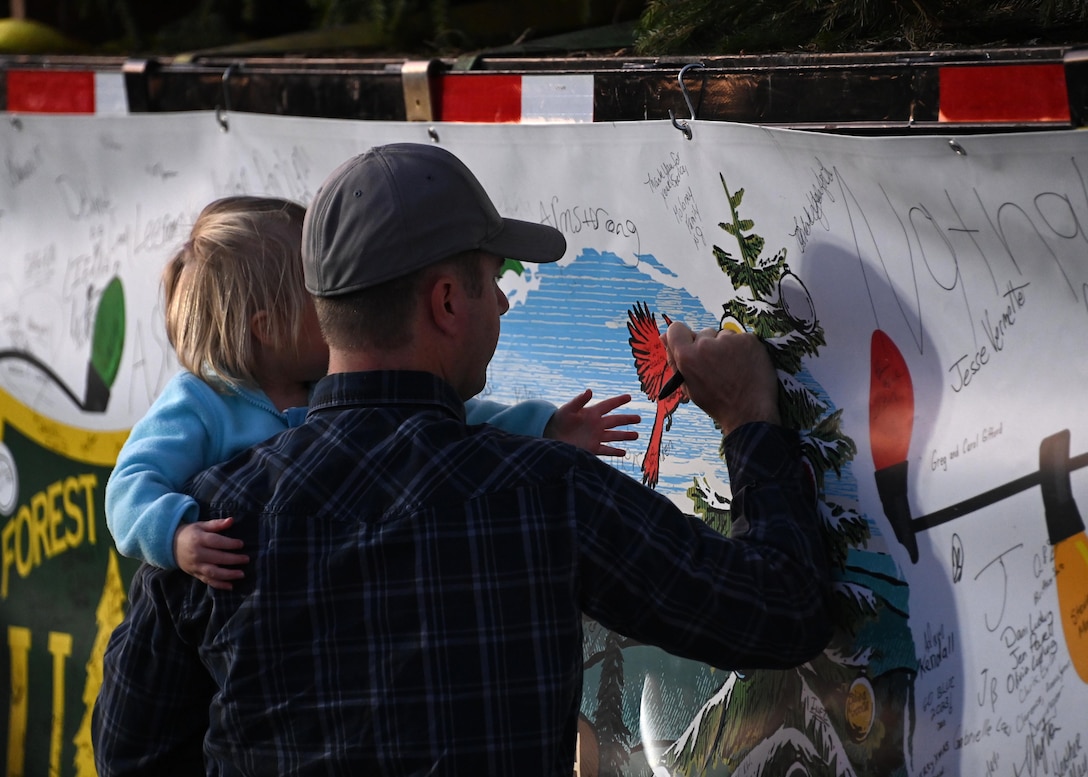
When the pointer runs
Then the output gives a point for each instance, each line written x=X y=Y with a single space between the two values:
x=648 y=350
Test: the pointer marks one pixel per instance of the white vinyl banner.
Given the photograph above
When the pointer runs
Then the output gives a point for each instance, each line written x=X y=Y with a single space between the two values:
x=925 y=301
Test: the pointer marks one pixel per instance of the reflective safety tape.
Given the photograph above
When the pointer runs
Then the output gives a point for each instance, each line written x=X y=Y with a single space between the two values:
x=66 y=91
x=497 y=98
x=1004 y=93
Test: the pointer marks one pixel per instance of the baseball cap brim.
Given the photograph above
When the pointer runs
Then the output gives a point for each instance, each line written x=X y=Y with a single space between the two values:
x=527 y=242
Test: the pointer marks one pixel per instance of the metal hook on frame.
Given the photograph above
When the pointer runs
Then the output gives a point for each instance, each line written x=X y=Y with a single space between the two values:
x=683 y=125
x=222 y=110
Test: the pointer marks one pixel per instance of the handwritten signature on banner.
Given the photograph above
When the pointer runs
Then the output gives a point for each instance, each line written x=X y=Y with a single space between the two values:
x=1017 y=691
x=576 y=219
x=670 y=181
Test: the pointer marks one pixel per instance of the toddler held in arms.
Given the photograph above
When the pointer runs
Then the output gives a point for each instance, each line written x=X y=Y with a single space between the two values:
x=247 y=337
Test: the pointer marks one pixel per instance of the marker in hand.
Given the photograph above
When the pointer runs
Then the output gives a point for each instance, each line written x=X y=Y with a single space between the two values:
x=671 y=385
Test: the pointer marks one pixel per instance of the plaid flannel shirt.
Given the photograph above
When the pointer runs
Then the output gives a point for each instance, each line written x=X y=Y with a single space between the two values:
x=414 y=599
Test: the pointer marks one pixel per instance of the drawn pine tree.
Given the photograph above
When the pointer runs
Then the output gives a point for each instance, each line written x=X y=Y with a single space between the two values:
x=793 y=721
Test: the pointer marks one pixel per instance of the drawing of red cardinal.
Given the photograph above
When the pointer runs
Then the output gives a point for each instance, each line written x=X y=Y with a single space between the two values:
x=653 y=372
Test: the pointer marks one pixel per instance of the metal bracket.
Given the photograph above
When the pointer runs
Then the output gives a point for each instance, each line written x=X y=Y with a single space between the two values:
x=415 y=76
x=683 y=126
x=136 y=73
x=221 y=111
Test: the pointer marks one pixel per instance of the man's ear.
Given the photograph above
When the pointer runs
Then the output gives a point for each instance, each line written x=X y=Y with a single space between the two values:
x=444 y=302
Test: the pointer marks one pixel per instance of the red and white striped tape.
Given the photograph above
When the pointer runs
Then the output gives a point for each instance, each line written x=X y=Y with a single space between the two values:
x=488 y=97
x=993 y=93
x=66 y=91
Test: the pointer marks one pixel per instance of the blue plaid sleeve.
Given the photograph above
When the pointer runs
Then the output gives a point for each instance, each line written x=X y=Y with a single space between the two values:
x=758 y=599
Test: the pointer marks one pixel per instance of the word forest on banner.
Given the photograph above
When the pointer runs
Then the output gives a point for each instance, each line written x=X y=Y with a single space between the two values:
x=926 y=307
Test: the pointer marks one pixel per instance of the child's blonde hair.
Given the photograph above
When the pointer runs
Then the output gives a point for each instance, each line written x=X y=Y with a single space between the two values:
x=242 y=257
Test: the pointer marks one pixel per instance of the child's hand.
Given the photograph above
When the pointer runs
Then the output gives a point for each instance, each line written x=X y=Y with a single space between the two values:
x=207 y=555
x=592 y=428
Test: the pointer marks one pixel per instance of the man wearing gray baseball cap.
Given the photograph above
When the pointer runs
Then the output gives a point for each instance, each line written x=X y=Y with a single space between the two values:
x=417 y=585
x=402 y=207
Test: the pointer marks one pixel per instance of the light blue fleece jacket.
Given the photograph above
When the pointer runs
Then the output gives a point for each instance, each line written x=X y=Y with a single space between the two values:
x=191 y=427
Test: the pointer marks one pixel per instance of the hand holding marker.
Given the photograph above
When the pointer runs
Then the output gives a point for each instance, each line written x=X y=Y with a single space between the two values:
x=677 y=379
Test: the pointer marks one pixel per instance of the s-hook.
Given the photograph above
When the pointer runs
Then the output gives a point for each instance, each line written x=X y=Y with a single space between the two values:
x=222 y=110
x=683 y=125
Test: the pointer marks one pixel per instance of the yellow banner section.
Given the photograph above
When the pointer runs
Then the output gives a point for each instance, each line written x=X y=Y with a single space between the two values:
x=87 y=445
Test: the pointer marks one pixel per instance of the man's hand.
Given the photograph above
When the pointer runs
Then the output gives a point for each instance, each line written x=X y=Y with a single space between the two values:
x=593 y=427
x=729 y=375
x=207 y=555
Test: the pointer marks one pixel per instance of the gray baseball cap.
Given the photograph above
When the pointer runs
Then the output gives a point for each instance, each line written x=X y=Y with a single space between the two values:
x=401 y=207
